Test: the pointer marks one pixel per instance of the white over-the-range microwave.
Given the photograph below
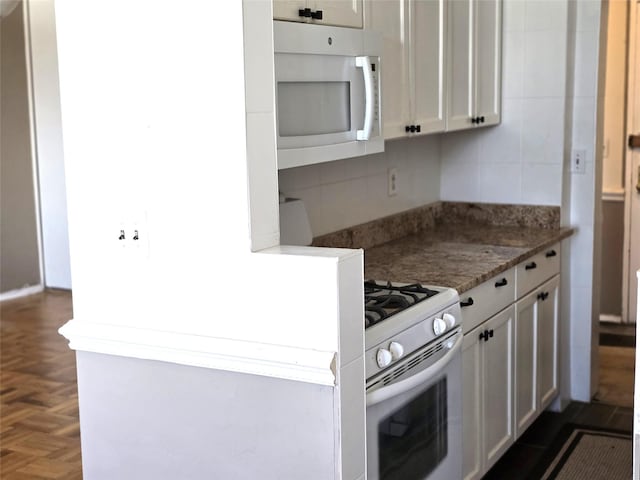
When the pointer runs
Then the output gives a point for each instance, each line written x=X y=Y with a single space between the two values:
x=328 y=93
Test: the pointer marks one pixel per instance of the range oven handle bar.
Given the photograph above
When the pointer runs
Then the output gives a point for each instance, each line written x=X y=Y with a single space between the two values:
x=365 y=64
x=395 y=389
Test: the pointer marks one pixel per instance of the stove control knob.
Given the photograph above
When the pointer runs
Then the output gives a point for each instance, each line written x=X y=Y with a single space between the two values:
x=450 y=319
x=384 y=357
x=396 y=349
x=439 y=326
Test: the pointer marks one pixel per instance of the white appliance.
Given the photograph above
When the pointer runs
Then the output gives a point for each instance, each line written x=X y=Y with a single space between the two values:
x=328 y=95
x=413 y=365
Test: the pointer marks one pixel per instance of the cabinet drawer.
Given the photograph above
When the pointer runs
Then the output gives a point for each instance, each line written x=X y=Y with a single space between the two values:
x=487 y=299
x=535 y=270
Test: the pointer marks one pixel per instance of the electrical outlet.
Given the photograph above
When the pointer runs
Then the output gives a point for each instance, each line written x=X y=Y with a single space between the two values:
x=392 y=181
x=578 y=161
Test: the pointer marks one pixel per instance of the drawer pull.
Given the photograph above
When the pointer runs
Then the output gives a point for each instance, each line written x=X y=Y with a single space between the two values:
x=543 y=296
x=486 y=335
x=501 y=283
x=468 y=303
x=551 y=253
x=530 y=266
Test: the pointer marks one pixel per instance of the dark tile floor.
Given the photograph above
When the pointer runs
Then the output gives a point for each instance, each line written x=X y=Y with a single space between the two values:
x=525 y=454
x=522 y=458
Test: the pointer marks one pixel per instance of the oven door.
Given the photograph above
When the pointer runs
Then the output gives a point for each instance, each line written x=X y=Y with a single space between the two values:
x=414 y=416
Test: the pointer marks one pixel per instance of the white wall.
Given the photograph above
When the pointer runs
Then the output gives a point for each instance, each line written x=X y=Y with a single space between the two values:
x=48 y=137
x=155 y=136
x=520 y=160
x=353 y=191
x=19 y=247
x=586 y=97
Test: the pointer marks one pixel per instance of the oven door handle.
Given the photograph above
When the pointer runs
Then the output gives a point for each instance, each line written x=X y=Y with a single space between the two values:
x=390 y=391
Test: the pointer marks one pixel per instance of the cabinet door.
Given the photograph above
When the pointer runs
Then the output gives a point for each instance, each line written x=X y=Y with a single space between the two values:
x=548 y=342
x=488 y=35
x=427 y=57
x=391 y=17
x=471 y=407
x=460 y=102
x=497 y=385
x=339 y=12
x=288 y=10
x=526 y=394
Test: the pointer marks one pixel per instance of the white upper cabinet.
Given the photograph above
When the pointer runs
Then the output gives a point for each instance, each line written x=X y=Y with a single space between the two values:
x=413 y=64
x=428 y=56
x=341 y=13
x=474 y=63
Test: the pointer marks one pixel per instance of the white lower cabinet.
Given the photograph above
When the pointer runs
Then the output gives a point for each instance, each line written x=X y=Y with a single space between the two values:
x=526 y=401
x=536 y=345
x=487 y=363
x=548 y=325
x=510 y=361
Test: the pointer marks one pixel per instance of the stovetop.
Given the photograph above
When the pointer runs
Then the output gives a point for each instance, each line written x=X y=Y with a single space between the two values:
x=411 y=315
x=384 y=299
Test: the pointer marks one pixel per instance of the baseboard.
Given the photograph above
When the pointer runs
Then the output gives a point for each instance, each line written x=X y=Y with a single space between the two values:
x=605 y=317
x=21 y=292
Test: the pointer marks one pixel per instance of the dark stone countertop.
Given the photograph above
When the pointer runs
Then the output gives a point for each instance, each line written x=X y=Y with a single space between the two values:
x=456 y=255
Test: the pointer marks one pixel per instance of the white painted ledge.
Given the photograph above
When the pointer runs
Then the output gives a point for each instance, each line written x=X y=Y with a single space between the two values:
x=303 y=365
x=613 y=195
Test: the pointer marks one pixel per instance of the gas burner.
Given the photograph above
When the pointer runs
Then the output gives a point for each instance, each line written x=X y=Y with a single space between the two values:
x=381 y=300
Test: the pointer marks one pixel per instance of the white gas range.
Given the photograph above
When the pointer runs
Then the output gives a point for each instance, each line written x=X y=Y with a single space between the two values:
x=413 y=340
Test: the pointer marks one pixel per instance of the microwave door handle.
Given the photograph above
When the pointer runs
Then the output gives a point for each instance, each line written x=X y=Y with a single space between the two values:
x=365 y=64
x=395 y=389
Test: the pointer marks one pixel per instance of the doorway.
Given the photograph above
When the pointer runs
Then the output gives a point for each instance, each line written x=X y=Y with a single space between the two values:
x=620 y=199
x=631 y=261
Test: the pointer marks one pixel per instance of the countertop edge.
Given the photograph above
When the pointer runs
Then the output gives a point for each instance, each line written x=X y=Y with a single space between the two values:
x=563 y=233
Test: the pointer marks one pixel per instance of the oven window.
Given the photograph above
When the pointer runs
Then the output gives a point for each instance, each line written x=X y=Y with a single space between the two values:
x=412 y=441
x=313 y=108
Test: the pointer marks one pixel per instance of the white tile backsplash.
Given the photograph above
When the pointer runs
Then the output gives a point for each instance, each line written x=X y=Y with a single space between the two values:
x=352 y=191
x=500 y=182
x=545 y=63
x=461 y=147
x=544 y=139
x=343 y=201
x=541 y=184
x=513 y=64
x=459 y=180
x=502 y=143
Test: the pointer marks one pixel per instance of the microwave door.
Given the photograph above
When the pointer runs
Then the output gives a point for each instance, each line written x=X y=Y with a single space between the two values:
x=320 y=100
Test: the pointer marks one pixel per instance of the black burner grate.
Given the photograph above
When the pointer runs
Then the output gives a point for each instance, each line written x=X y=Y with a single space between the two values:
x=381 y=300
